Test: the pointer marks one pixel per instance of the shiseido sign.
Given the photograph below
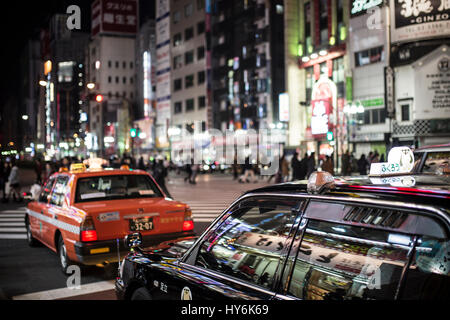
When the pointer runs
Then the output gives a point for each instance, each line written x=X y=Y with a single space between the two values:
x=419 y=19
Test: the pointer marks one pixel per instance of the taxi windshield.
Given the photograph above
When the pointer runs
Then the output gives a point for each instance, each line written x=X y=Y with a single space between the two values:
x=116 y=187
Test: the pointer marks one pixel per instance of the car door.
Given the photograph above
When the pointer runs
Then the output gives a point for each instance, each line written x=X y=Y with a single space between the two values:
x=352 y=252
x=54 y=209
x=37 y=209
x=241 y=255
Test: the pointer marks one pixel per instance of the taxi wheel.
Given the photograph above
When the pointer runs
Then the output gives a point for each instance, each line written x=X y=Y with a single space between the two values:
x=63 y=258
x=141 y=294
x=32 y=242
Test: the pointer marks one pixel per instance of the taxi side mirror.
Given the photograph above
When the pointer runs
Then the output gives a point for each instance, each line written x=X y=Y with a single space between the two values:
x=133 y=240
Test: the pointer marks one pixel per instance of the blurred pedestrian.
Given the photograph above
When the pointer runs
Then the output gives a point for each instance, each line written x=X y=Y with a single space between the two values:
x=284 y=166
x=3 y=178
x=376 y=158
x=160 y=174
x=195 y=169
x=14 y=183
x=328 y=166
x=311 y=165
x=38 y=168
x=296 y=167
x=362 y=165
x=248 y=171
x=346 y=169
x=141 y=164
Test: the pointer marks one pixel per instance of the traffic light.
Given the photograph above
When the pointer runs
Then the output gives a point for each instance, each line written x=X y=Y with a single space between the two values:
x=99 y=98
x=133 y=133
x=330 y=136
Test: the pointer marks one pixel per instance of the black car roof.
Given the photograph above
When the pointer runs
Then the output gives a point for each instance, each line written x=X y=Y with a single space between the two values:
x=428 y=189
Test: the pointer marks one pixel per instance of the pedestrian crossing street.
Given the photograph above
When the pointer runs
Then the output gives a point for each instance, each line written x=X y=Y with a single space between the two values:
x=208 y=199
x=12 y=224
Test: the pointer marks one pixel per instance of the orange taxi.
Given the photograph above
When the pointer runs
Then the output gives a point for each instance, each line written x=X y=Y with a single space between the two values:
x=81 y=214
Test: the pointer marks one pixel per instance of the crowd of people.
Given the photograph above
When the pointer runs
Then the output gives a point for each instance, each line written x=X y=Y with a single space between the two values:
x=299 y=168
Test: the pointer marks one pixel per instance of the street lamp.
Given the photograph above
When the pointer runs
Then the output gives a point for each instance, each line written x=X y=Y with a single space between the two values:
x=91 y=86
x=43 y=83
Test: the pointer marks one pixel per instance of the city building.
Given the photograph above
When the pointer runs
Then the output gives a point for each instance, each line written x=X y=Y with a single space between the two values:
x=189 y=97
x=368 y=49
x=30 y=70
x=317 y=75
x=418 y=94
x=63 y=59
x=247 y=41
x=145 y=115
x=111 y=78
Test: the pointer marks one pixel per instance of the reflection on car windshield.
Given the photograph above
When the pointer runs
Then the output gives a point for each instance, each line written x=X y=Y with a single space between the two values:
x=436 y=161
x=116 y=187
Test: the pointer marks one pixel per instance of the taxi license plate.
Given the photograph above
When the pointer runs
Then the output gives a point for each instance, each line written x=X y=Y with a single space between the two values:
x=142 y=224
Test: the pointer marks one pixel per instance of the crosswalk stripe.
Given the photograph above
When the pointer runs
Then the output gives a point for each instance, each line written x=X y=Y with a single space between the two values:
x=12 y=224
x=13 y=211
x=12 y=220
x=13 y=236
x=12 y=230
x=12 y=216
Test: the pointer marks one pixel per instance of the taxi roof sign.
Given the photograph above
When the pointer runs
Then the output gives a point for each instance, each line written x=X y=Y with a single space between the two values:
x=78 y=167
x=400 y=161
x=95 y=163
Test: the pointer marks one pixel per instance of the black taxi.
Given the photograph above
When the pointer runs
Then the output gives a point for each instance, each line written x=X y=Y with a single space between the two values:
x=361 y=238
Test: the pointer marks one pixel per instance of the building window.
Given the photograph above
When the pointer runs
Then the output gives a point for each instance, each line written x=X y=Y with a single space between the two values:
x=189 y=57
x=200 y=4
x=117 y=79
x=338 y=70
x=109 y=79
x=178 y=61
x=323 y=22
x=177 y=39
x=124 y=80
x=308 y=33
x=178 y=107
x=117 y=64
x=369 y=56
x=201 y=77
x=200 y=27
x=190 y=104
x=188 y=10
x=176 y=17
x=109 y=64
x=178 y=84
x=405 y=112
x=124 y=65
x=189 y=80
x=200 y=53
x=131 y=80
x=188 y=34
x=131 y=65
x=202 y=102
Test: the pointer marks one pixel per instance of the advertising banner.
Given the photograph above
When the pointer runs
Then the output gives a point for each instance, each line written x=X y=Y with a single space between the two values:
x=419 y=19
x=115 y=17
x=432 y=85
x=323 y=102
x=163 y=80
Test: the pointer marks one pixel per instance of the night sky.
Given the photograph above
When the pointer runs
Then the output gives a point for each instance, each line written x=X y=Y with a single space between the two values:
x=22 y=20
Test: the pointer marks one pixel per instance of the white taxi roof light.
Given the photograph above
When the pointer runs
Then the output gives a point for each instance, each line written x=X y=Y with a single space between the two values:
x=319 y=181
x=95 y=163
x=400 y=161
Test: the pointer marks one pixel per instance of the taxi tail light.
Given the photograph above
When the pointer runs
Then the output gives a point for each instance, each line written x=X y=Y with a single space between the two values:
x=88 y=232
x=188 y=223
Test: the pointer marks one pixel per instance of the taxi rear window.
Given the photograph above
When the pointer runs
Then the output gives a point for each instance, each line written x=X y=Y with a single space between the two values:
x=116 y=187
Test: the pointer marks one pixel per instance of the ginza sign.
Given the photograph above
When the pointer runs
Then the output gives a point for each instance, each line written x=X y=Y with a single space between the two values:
x=419 y=19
